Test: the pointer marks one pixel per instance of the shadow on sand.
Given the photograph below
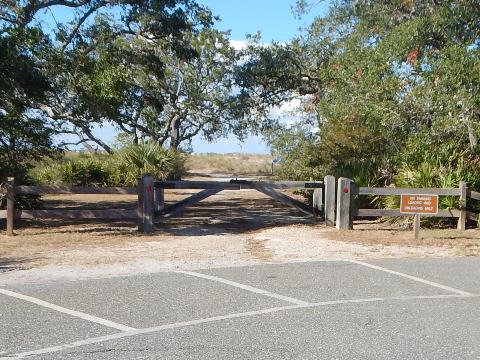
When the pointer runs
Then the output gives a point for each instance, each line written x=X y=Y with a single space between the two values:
x=214 y=216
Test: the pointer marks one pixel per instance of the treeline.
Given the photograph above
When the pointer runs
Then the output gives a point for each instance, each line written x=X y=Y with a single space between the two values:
x=389 y=91
x=157 y=70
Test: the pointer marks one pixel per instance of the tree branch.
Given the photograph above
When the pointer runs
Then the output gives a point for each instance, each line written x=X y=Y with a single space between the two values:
x=80 y=22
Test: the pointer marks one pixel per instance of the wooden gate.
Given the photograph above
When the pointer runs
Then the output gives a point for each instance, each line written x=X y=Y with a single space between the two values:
x=152 y=196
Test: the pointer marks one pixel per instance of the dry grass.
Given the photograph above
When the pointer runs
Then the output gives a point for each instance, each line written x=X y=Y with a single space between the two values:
x=464 y=243
x=232 y=164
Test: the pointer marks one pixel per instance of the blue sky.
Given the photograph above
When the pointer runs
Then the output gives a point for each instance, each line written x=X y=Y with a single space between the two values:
x=276 y=22
x=273 y=18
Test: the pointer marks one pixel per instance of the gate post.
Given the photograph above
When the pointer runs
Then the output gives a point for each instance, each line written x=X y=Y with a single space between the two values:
x=145 y=204
x=463 y=206
x=344 y=204
x=159 y=199
x=10 y=205
x=329 y=207
x=318 y=201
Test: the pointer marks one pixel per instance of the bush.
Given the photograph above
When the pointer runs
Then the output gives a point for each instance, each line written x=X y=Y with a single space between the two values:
x=123 y=168
x=84 y=172
x=149 y=158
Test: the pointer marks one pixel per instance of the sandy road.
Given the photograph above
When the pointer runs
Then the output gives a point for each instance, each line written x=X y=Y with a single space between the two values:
x=228 y=229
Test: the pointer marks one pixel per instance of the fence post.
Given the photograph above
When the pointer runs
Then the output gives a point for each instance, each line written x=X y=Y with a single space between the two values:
x=344 y=204
x=10 y=205
x=463 y=206
x=159 y=199
x=146 y=204
x=318 y=200
x=329 y=207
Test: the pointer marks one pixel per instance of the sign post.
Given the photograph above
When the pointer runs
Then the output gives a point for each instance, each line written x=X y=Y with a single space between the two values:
x=417 y=204
x=416 y=226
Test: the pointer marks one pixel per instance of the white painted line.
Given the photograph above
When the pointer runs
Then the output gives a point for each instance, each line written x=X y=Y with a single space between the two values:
x=394 y=298
x=121 y=335
x=414 y=278
x=61 y=309
x=245 y=287
x=100 y=339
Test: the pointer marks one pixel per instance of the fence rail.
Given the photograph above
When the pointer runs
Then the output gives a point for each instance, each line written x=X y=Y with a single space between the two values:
x=44 y=190
x=473 y=194
x=238 y=184
x=151 y=199
x=346 y=211
x=451 y=213
x=400 y=191
x=12 y=214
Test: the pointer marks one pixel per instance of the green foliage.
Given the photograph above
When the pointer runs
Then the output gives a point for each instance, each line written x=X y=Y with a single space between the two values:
x=296 y=150
x=23 y=136
x=149 y=158
x=123 y=168
x=84 y=172
x=159 y=88
x=154 y=67
x=394 y=87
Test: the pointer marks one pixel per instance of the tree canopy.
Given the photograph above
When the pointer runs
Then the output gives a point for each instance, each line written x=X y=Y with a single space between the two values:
x=390 y=84
x=387 y=89
x=117 y=61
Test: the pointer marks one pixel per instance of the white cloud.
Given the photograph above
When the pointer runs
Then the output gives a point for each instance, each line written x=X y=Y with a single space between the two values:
x=289 y=112
x=238 y=44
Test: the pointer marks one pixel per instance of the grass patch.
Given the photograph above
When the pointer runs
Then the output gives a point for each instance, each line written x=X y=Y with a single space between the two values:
x=233 y=164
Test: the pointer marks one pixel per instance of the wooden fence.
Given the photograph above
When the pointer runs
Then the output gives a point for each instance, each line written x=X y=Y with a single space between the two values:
x=151 y=199
x=346 y=211
x=12 y=214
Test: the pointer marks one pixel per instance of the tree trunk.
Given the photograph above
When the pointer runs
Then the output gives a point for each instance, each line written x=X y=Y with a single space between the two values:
x=175 y=132
x=135 y=136
x=88 y=133
x=472 y=138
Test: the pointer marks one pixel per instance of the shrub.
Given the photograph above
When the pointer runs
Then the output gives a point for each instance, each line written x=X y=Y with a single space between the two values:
x=149 y=158
x=84 y=172
x=48 y=173
x=432 y=173
x=123 y=168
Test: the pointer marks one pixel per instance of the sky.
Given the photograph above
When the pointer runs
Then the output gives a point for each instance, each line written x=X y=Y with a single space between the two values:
x=275 y=21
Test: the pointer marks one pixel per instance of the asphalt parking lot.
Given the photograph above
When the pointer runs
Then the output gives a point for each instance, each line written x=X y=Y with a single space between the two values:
x=380 y=309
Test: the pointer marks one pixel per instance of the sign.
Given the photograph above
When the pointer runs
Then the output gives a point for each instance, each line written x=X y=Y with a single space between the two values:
x=419 y=204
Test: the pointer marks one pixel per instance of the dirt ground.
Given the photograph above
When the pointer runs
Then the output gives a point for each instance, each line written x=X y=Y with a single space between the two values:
x=231 y=228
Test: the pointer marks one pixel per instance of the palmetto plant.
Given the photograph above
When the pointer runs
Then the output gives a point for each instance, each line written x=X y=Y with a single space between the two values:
x=148 y=158
x=435 y=173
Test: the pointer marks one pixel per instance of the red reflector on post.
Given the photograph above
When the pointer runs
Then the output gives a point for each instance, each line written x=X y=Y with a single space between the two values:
x=345 y=190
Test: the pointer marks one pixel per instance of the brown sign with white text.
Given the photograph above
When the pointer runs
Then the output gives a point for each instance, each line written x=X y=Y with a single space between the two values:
x=419 y=204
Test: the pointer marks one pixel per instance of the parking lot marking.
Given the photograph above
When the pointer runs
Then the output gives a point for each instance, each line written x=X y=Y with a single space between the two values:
x=414 y=278
x=135 y=332
x=246 y=287
x=61 y=309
